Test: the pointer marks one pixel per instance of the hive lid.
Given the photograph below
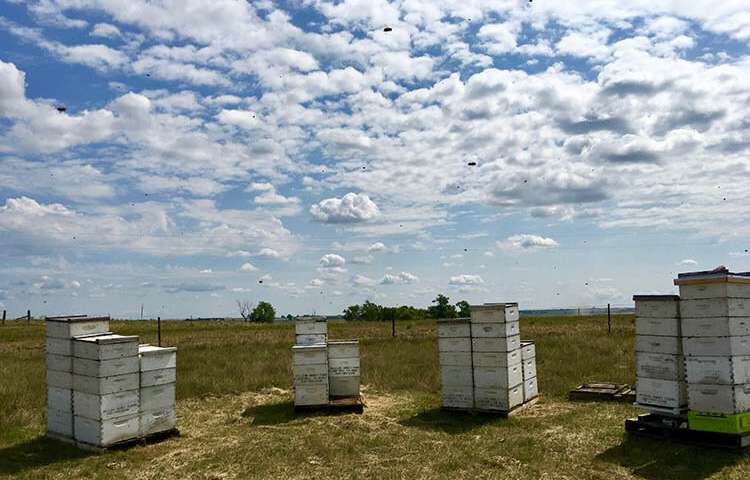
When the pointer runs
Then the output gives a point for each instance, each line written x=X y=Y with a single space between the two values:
x=75 y=319
x=526 y=343
x=105 y=339
x=656 y=298
x=454 y=321
x=343 y=342
x=146 y=349
x=307 y=348
x=494 y=306
x=717 y=275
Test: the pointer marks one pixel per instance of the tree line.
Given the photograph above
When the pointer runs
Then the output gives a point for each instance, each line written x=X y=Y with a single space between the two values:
x=441 y=308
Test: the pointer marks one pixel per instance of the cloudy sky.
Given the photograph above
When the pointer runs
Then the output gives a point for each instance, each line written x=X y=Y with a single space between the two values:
x=183 y=154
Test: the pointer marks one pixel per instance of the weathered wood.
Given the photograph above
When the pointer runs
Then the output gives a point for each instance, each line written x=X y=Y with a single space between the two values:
x=603 y=391
x=336 y=404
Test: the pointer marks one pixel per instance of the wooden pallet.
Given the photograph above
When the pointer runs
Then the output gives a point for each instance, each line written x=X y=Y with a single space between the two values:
x=603 y=391
x=496 y=413
x=664 y=427
x=142 y=440
x=336 y=404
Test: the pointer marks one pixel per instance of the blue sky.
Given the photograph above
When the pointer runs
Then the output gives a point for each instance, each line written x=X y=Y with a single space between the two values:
x=557 y=154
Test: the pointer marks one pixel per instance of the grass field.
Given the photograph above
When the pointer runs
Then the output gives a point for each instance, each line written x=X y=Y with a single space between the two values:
x=236 y=420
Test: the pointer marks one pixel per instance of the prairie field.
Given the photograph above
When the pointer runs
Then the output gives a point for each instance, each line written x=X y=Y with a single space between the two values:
x=236 y=419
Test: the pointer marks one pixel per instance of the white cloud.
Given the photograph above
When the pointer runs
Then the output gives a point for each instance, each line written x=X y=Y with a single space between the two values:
x=363 y=281
x=248 y=267
x=351 y=208
x=687 y=261
x=331 y=260
x=527 y=242
x=105 y=30
x=268 y=253
x=465 y=279
x=363 y=260
x=398 y=279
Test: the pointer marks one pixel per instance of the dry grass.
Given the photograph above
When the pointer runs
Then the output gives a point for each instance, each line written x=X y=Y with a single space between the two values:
x=236 y=418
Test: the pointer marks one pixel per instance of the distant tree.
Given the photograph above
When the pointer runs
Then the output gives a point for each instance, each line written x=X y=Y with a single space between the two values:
x=245 y=308
x=289 y=317
x=388 y=314
x=371 y=312
x=464 y=309
x=442 y=308
x=352 y=312
x=263 y=312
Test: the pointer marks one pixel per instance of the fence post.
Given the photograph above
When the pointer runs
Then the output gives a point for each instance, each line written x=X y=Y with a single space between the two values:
x=3 y=318
x=28 y=316
x=609 y=320
x=393 y=326
x=158 y=330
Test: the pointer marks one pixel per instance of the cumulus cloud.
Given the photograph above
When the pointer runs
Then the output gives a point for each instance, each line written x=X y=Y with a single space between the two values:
x=268 y=253
x=465 y=279
x=248 y=267
x=398 y=279
x=527 y=242
x=363 y=281
x=351 y=208
x=331 y=260
x=687 y=261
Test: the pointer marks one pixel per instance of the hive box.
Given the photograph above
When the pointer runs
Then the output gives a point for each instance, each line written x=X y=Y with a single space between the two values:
x=59 y=379
x=718 y=370
x=498 y=377
x=496 y=344
x=105 y=347
x=494 y=313
x=163 y=376
x=712 y=284
x=716 y=327
x=528 y=350
x=654 y=344
x=158 y=377
x=529 y=368
x=660 y=366
x=457 y=397
x=661 y=393
x=453 y=376
x=669 y=327
x=159 y=420
x=343 y=368
x=458 y=328
x=497 y=359
x=530 y=389
x=60 y=399
x=457 y=359
x=485 y=330
x=105 y=407
x=75 y=325
x=106 y=432
x=497 y=399
x=310 y=364
x=157 y=397
x=310 y=374
x=105 y=368
x=716 y=346
x=157 y=358
x=105 y=385
x=60 y=422
x=311 y=326
x=454 y=344
x=310 y=339
x=657 y=306
x=716 y=307
x=727 y=399
x=311 y=394
x=719 y=422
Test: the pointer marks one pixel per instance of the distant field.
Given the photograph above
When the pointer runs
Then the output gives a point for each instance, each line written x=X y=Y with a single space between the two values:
x=235 y=412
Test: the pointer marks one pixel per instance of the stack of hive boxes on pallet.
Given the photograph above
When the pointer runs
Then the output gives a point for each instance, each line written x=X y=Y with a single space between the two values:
x=715 y=308
x=59 y=347
x=158 y=377
x=343 y=368
x=660 y=370
x=482 y=362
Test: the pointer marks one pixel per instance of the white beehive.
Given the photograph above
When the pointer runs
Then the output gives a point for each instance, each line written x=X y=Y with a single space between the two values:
x=530 y=389
x=714 y=286
x=661 y=393
x=498 y=377
x=528 y=350
x=456 y=359
x=75 y=326
x=310 y=371
x=669 y=327
x=529 y=368
x=458 y=328
x=660 y=366
x=657 y=306
x=105 y=368
x=105 y=433
x=485 y=330
x=716 y=307
x=105 y=347
x=311 y=326
x=497 y=359
x=456 y=376
x=494 y=313
x=716 y=346
x=105 y=407
x=728 y=399
x=343 y=368
x=658 y=344
x=105 y=385
x=157 y=386
x=496 y=344
x=310 y=339
x=498 y=399
x=718 y=370
x=462 y=344
x=716 y=327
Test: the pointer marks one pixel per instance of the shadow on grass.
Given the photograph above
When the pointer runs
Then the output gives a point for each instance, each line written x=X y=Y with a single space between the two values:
x=449 y=421
x=271 y=413
x=656 y=459
x=36 y=453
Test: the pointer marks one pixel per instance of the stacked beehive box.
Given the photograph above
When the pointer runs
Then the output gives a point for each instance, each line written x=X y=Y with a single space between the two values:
x=715 y=309
x=311 y=331
x=528 y=359
x=343 y=368
x=158 y=376
x=496 y=357
x=660 y=372
x=105 y=383
x=60 y=332
x=310 y=369
x=456 y=371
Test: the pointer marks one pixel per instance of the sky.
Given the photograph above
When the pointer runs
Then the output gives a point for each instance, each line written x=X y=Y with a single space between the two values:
x=185 y=154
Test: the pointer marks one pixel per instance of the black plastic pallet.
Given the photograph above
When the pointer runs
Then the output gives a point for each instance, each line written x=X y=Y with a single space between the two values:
x=668 y=428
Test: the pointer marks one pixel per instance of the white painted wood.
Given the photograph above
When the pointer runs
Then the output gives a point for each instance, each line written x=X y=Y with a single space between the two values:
x=104 y=433
x=456 y=359
x=309 y=355
x=494 y=313
x=715 y=307
x=668 y=327
x=59 y=346
x=716 y=327
x=158 y=377
x=718 y=370
x=456 y=376
x=310 y=374
x=528 y=350
x=490 y=330
x=104 y=407
x=60 y=422
x=497 y=344
x=73 y=327
x=105 y=368
x=343 y=349
x=157 y=358
x=160 y=396
x=60 y=399
x=453 y=329
x=59 y=379
x=496 y=359
x=498 y=399
x=530 y=389
x=457 y=397
x=61 y=363
x=529 y=368
x=714 y=290
x=498 y=377
x=655 y=344
x=311 y=394
x=105 y=347
x=657 y=306
x=661 y=393
x=343 y=367
x=105 y=385
x=310 y=339
x=727 y=399
x=721 y=346
x=344 y=386
x=454 y=344
x=660 y=366
x=311 y=327
x=155 y=421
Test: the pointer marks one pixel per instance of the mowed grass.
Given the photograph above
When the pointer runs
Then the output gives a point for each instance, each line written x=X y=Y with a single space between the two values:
x=236 y=418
